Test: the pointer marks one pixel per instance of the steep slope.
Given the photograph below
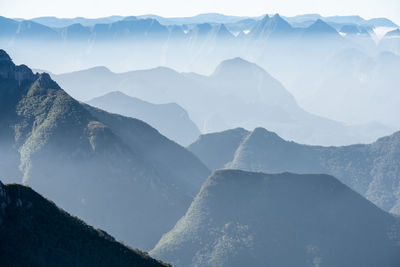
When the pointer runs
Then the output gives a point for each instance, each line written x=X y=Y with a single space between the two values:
x=170 y=119
x=217 y=149
x=120 y=180
x=255 y=219
x=371 y=170
x=174 y=163
x=271 y=27
x=35 y=232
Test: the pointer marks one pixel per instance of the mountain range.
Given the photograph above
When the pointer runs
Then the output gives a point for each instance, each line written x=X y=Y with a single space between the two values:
x=35 y=232
x=254 y=219
x=237 y=94
x=82 y=42
x=170 y=119
x=213 y=18
x=370 y=169
x=123 y=173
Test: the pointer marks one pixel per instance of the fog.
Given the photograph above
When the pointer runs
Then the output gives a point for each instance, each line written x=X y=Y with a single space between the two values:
x=136 y=113
x=343 y=72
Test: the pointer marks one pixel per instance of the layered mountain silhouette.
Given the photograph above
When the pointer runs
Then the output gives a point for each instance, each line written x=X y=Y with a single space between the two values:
x=254 y=219
x=368 y=169
x=320 y=28
x=170 y=119
x=115 y=172
x=35 y=232
x=270 y=27
x=237 y=94
x=213 y=18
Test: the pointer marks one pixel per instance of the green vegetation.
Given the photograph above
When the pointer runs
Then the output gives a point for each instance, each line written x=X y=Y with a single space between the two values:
x=35 y=232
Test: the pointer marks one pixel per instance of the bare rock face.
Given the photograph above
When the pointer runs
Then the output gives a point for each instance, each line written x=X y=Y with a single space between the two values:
x=8 y=70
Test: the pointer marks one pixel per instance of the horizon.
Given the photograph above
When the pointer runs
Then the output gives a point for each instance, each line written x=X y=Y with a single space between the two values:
x=74 y=9
x=204 y=13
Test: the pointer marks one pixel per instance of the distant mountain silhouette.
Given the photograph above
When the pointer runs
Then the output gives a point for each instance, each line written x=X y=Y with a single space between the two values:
x=270 y=27
x=211 y=18
x=218 y=149
x=170 y=119
x=368 y=169
x=112 y=164
x=254 y=219
x=393 y=33
x=65 y=22
x=321 y=29
x=23 y=30
x=35 y=232
x=237 y=94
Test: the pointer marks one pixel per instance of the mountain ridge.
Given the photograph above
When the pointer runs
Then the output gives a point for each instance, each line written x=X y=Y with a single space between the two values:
x=368 y=169
x=35 y=231
x=58 y=145
x=244 y=218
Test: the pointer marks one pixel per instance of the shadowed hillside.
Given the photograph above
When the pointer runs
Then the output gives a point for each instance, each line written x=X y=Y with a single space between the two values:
x=371 y=170
x=254 y=219
x=35 y=232
x=114 y=172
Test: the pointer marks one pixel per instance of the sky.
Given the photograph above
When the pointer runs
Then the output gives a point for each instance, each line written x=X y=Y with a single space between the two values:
x=178 y=8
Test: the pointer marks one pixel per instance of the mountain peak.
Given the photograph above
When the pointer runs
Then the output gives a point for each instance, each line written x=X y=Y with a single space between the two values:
x=262 y=134
x=235 y=66
x=4 y=56
x=236 y=61
x=320 y=27
x=244 y=218
x=265 y=18
x=8 y=70
x=271 y=26
x=45 y=81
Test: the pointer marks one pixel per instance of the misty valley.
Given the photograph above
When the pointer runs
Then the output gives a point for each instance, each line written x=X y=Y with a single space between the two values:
x=210 y=140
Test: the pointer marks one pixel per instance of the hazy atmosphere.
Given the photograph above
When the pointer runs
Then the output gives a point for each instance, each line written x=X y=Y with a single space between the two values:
x=177 y=8
x=200 y=133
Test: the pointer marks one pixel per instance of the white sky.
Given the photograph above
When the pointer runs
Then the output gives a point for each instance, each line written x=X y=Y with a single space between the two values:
x=180 y=8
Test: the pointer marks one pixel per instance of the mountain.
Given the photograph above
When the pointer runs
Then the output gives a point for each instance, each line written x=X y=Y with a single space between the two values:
x=270 y=27
x=352 y=29
x=130 y=28
x=254 y=219
x=214 y=18
x=35 y=232
x=26 y=29
x=123 y=173
x=65 y=22
x=368 y=169
x=382 y=22
x=78 y=30
x=321 y=29
x=170 y=119
x=210 y=18
x=302 y=20
x=394 y=33
x=237 y=94
x=217 y=149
